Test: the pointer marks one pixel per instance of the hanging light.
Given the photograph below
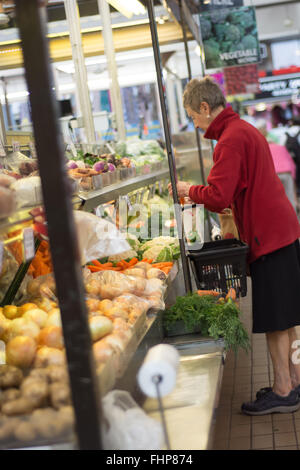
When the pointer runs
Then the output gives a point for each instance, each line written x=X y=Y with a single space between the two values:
x=128 y=8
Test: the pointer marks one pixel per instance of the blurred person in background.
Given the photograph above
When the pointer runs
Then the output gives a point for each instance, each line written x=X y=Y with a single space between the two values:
x=243 y=178
x=285 y=166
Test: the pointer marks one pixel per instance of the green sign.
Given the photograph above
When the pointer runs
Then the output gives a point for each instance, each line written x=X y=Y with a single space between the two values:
x=229 y=37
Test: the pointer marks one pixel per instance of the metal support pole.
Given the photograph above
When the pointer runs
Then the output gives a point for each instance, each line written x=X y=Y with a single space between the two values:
x=2 y=126
x=197 y=132
x=169 y=147
x=179 y=93
x=73 y=20
x=115 y=91
x=8 y=115
x=31 y=20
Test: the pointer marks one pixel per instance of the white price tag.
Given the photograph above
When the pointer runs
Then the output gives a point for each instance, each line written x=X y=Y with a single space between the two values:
x=28 y=241
x=32 y=150
x=16 y=146
x=2 y=150
x=1 y=255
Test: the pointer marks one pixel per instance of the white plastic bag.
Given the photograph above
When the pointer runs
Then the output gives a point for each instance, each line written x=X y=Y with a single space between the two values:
x=128 y=427
x=28 y=191
x=97 y=237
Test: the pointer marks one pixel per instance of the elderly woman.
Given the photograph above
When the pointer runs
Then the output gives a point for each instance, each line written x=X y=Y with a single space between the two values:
x=243 y=178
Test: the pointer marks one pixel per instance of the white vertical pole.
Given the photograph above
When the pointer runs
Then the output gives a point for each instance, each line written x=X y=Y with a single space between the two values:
x=112 y=68
x=179 y=93
x=73 y=19
x=172 y=107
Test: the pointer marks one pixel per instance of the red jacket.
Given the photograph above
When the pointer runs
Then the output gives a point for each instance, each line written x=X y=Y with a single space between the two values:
x=243 y=177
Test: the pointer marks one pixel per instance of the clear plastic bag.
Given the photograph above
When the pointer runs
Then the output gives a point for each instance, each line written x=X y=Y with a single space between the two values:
x=42 y=286
x=128 y=427
x=28 y=191
x=97 y=237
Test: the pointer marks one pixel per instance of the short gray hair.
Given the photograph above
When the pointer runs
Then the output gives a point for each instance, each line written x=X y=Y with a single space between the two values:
x=197 y=91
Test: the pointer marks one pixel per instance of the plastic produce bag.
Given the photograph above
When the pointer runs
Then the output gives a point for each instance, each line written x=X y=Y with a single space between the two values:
x=128 y=427
x=28 y=191
x=8 y=201
x=97 y=237
x=19 y=163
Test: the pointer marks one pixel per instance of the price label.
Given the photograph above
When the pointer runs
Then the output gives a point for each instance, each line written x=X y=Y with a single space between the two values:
x=28 y=241
x=16 y=146
x=32 y=150
x=2 y=150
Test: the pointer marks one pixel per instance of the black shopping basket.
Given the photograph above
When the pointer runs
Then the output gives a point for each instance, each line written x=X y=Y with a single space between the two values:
x=221 y=265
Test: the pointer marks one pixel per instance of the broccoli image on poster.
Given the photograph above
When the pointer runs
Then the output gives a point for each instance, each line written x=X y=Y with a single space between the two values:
x=229 y=37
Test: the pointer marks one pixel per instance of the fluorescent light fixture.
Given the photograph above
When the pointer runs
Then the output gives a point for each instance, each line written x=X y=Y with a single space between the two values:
x=128 y=8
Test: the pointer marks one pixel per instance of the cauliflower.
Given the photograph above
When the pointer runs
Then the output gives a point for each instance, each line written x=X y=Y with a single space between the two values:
x=159 y=253
x=125 y=255
x=133 y=241
x=161 y=249
x=160 y=241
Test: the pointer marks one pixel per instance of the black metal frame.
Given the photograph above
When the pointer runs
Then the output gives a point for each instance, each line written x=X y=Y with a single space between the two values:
x=31 y=20
x=169 y=147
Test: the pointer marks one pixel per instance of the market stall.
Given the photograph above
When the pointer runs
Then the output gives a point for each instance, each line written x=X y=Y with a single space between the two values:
x=85 y=281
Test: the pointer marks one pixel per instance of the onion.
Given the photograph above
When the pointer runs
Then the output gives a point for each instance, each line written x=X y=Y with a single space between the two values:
x=71 y=165
x=37 y=315
x=52 y=337
x=47 y=356
x=54 y=318
x=20 y=351
x=111 y=167
x=99 y=327
x=99 y=166
x=24 y=327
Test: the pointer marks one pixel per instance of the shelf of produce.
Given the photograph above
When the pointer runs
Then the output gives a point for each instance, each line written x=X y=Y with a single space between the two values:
x=22 y=218
x=92 y=199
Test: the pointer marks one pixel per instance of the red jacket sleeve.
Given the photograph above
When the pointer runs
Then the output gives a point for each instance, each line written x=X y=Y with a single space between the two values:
x=226 y=180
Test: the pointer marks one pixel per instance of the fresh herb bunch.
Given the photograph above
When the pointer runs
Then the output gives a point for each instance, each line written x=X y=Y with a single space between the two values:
x=213 y=318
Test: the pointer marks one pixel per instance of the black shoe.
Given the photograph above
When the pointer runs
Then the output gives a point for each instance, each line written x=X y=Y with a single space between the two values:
x=268 y=389
x=270 y=402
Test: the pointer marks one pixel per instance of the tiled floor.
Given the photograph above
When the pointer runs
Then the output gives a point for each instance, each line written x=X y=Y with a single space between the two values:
x=243 y=376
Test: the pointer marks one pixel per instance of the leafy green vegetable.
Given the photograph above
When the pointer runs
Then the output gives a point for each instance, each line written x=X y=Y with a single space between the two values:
x=214 y=319
x=165 y=255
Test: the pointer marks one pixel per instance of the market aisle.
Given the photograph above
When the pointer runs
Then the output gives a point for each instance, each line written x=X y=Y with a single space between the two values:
x=243 y=376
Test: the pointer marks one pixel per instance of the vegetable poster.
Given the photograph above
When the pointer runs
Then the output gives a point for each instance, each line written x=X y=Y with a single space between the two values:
x=230 y=37
x=242 y=79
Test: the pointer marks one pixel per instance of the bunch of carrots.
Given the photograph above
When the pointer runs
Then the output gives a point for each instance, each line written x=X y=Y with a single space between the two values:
x=122 y=265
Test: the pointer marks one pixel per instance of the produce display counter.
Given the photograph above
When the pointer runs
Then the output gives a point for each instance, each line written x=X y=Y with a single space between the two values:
x=92 y=199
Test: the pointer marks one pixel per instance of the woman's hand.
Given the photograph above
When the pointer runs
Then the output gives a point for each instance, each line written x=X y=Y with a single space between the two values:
x=183 y=189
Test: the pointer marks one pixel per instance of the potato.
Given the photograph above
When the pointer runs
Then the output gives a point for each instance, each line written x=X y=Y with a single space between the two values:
x=60 y=394
x=139 y=286
x=143 y=265
x=135 y=272
x=23 y=327
x=40 y=374
x=9 y=395
x=52 y=337
x=92 y=305
x=54 y=318
x=57 y=373
x=21 y=406
x=116 y=312
x=25 y=432
x=20 y=351
x=11 y=312
x=99 y=327
x=10 y=376
x=49 y=427
x=45 y=304
x=67 y=413
x=37 y=315
x=47 y=356
x=36 y=390
x=105 y=304
x=8 y=427
x=102 y=351
x=156 y=274
x=92 y=287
